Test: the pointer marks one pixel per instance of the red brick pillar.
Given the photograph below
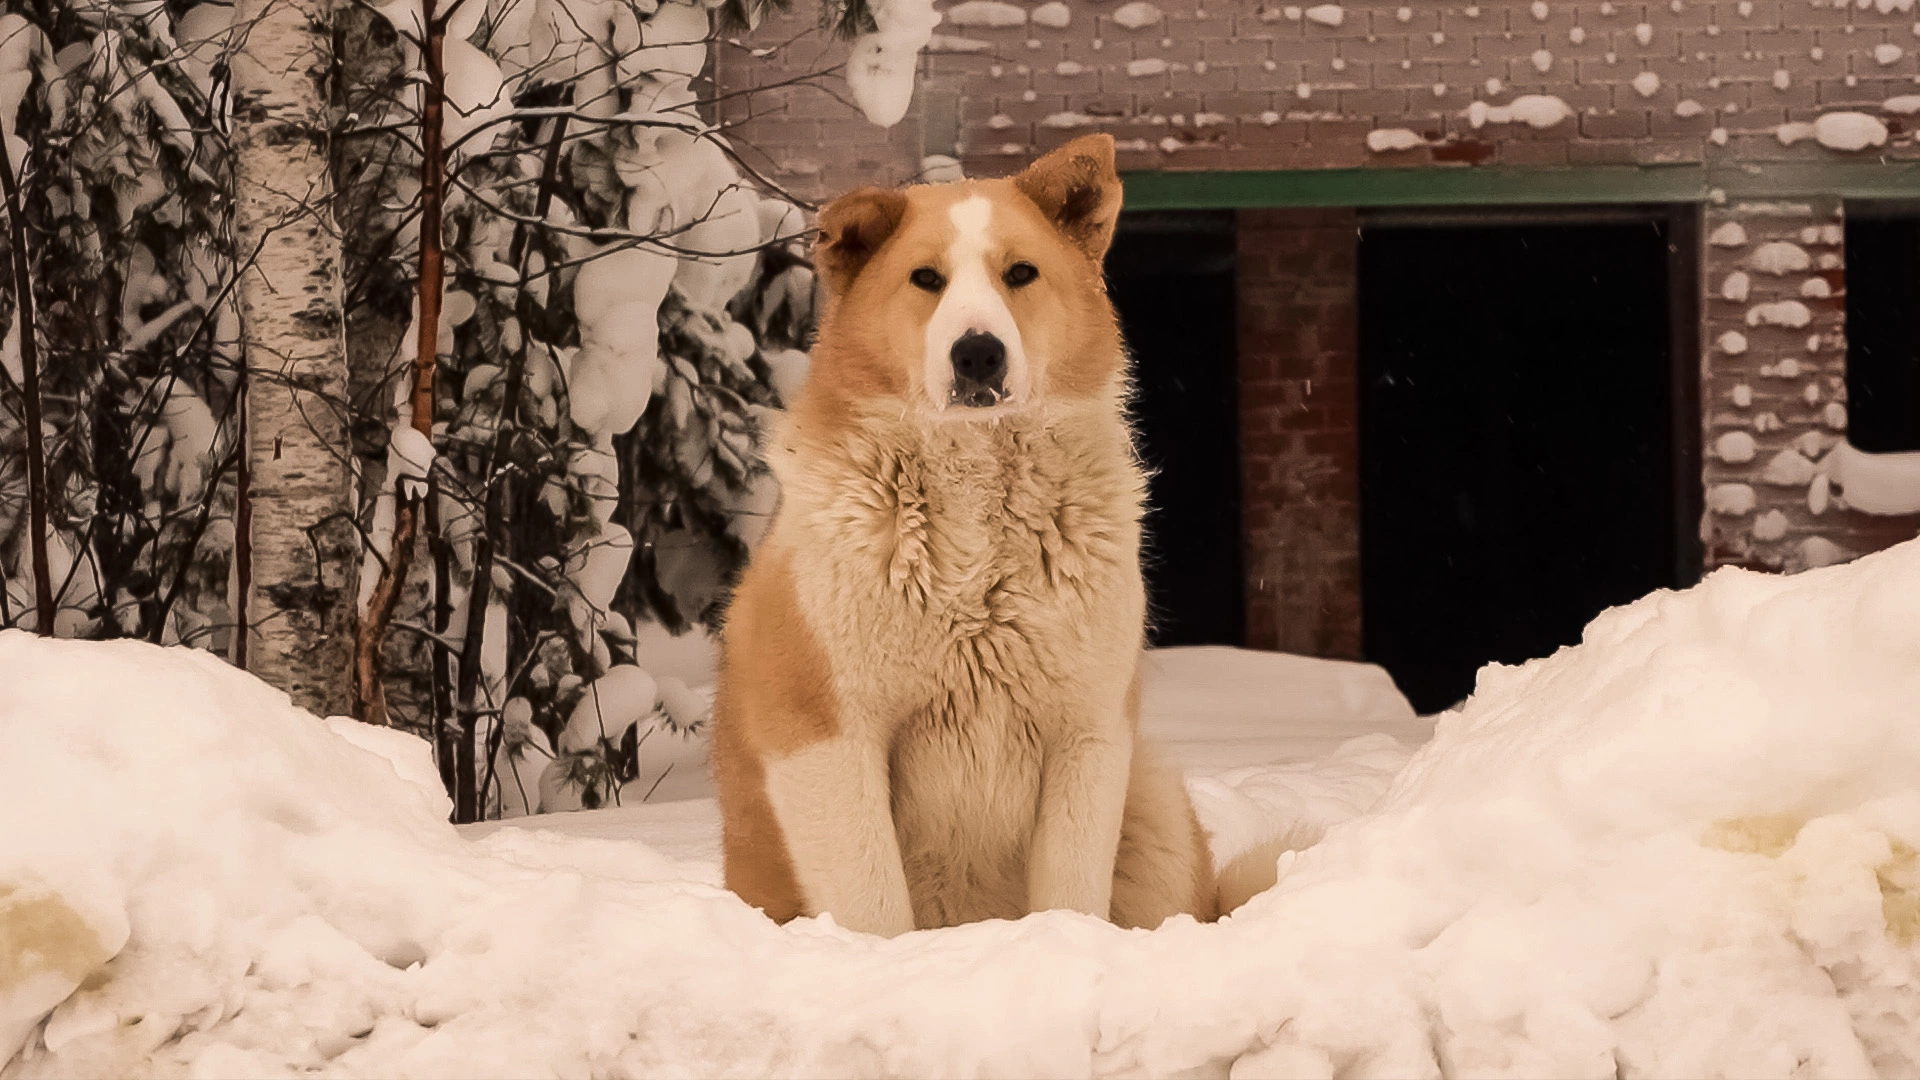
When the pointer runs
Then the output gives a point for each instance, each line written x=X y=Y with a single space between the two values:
x=1299 y=405
x=1773 y=394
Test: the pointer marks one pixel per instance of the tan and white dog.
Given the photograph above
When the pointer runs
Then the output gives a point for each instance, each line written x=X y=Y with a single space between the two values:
x=927 y=702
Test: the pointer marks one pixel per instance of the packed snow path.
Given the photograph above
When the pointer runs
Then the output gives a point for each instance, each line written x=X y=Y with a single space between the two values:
x=1685 y=847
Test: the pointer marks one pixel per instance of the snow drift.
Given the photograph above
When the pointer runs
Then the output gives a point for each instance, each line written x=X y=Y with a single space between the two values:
x=1683 y=847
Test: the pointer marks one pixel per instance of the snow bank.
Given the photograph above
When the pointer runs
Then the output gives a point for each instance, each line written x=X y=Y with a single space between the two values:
x=1683 y=847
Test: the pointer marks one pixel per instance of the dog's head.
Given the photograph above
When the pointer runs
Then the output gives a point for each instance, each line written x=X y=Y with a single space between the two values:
x=972 y=299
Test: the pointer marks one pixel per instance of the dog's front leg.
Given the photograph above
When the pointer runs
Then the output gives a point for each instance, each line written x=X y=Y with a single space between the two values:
x=834 y=804
x=1083 y=794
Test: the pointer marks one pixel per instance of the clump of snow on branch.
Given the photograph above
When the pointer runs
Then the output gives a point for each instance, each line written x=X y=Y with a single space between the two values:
x=881 y=67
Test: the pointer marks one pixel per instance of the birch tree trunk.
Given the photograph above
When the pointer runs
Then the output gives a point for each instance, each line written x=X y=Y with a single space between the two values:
x=300 y=606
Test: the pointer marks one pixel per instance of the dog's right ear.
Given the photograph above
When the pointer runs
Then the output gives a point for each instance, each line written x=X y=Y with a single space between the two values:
x=852 y=228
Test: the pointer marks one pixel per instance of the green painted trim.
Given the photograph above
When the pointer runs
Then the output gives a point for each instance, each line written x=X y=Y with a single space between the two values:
x=1466 y=186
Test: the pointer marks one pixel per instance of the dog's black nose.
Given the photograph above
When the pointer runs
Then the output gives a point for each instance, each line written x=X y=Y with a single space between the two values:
x=979 y=370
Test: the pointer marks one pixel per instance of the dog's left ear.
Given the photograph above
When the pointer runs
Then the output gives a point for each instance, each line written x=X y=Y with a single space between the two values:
x=1077 y=188
x=852 y=228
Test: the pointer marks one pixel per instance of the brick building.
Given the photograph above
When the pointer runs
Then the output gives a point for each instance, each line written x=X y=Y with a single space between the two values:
x=1720 y=171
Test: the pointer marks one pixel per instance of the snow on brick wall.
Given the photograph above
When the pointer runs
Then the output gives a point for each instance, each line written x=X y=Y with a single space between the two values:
x=1299 y=435
x=1774 y=390
x=1242 y=84
x=1257 y=84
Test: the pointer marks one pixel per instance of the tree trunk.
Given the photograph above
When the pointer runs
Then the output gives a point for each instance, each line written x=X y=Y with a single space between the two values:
x=29 y=395
x=300 y=488
x=370 y=695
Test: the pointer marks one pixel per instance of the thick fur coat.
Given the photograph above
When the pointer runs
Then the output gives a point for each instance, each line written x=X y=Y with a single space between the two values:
x=927 y=709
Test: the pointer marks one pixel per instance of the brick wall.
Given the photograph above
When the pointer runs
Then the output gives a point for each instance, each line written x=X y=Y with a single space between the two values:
x=1774 y=390
x=789 y=115
x=1299 y=399
x=1259 y=84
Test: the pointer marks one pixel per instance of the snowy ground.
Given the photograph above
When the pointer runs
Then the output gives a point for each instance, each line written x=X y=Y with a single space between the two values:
x=1683 y=848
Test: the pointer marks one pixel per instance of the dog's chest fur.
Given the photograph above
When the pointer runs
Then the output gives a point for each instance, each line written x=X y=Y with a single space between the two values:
x=981 y=554
x=979 y=586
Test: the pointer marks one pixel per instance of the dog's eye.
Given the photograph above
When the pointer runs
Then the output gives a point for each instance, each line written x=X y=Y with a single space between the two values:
x=1020 y=273
x=928 y=278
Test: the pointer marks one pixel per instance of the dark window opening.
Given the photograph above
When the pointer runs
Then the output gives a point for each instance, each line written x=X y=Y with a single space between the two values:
x=1526 y=445
x=1883 y=326
x=1171 y=276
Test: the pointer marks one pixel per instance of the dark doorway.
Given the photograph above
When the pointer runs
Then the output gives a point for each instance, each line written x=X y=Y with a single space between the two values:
x=1883 y=326
x=1171 y=275
x=1524 y=440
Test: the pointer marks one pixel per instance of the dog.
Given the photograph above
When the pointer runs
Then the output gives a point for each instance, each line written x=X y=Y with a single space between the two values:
x=926 y=711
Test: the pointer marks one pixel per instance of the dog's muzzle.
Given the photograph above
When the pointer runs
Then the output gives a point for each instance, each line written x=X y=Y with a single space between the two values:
x=979 y=371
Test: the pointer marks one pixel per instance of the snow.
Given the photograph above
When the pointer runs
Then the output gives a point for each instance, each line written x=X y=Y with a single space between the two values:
x=939 y=169
x=1053 y=15
x=881 y=66
x=719 y=250
x=988 y=13
x=672 y=44
x=1780 y=257
x=1849 y=131
x=1151 y=65
x=1770 y=526
x=1875 y=483
x=476 y=95
x=1327 y=14
x=616 y=297
x=1383 y=140
x=1788 y=313
x=1736 y=287
x=1733 y=343
x=596 y=565
x=625 y=696
x=1734 y=447
x=1682 y=847
x=410 y=460
x=1647 y=83
x=1818 y=551
x=1730 y=234
x=1733 y=500
x=1794 y=132
x=789 y=368
x=1534 y=110
x=1788 y=468
x=1138 y=14
x=1903 y=105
